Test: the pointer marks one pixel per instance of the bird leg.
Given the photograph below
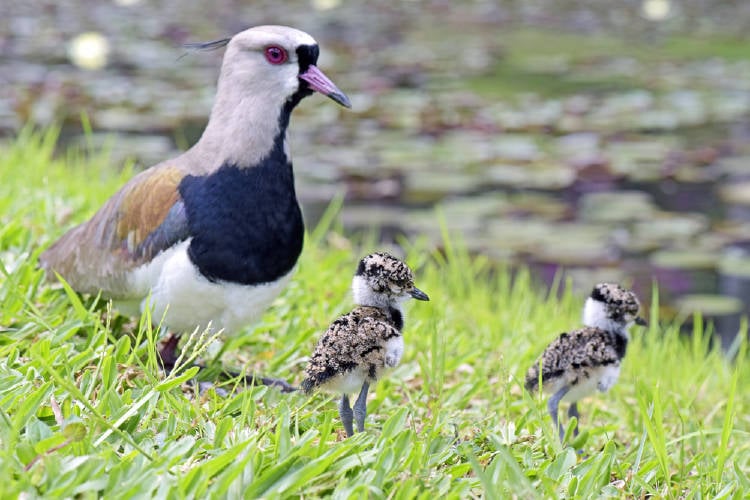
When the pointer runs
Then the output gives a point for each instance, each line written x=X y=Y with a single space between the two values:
x=254 y=379
x=168 y=353
x=346 y=414
x=573 y=412
x=360 y=407
x=552 y=406
x=251 y=379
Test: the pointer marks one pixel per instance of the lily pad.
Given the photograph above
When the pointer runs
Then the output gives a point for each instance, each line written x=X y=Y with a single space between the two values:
x=544 y=205
x=426 y=223
x=709 y=304
x=522 y=235
x=729 y=106
x=733 y=231
x=551 y=241
x=735 y=167
x=684 y=259
x=689 y=107
x=694 y=174
x=421 y=188
x=405 y=154
x=679 y=272
x=667 y=227
x=583 y=279
x=463 y=148
x=657 y=119
x=737 y=193
x=372 y=216
x=736 y=266
x=639 y=160
x=475 y=206
x=548 y=176
x=516 y=147
x=616 y=206
x=576 y=145
x=576 y=252
x=402 y=109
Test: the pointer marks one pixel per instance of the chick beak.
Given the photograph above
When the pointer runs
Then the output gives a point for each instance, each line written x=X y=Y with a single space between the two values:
x=418 y=294
x=640 y=321
x=319 y=82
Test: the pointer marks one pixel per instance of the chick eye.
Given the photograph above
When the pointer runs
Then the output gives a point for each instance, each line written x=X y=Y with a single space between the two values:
x=275 y=55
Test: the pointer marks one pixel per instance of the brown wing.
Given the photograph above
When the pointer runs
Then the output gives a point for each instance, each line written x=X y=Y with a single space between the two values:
x=355 y=339
x=145 y=217
x=587 y=347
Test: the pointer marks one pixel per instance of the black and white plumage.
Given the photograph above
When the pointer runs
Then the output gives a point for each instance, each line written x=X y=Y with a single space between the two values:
x=584 y=361
x=213 y=235
x=359 y=347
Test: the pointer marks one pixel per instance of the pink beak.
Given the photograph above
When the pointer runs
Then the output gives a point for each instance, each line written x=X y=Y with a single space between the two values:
x=321 y=83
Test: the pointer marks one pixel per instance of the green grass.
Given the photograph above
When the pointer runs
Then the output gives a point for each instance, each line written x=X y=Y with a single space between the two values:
x=84 y=412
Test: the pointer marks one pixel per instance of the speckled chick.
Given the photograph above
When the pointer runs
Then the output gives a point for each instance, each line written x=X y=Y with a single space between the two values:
x=360 y=346
x=579 y=363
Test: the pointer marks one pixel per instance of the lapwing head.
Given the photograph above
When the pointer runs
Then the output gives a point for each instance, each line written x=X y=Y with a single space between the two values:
x=382 y=280
x=275 y=61
x=612 y=305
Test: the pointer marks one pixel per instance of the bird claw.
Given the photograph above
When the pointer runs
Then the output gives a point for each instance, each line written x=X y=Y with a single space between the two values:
x=168 y=353
x=250 y=380
x=280 y=384
x=256 y=380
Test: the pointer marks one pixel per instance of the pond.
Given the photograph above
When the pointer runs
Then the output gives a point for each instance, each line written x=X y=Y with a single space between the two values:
x=609 y=152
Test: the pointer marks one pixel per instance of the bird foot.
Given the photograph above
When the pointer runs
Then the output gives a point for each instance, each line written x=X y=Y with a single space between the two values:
x=249 y=380
x=254 y=379
x=168 y=353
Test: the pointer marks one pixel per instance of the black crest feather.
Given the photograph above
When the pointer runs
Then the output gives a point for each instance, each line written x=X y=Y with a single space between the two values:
x=213 y=45
x=205 y=46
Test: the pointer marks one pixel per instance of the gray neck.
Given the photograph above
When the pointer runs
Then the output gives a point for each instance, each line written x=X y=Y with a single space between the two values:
x=241 y=130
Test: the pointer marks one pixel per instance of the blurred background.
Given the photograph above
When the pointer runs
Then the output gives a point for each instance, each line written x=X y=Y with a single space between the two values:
x=604 y=140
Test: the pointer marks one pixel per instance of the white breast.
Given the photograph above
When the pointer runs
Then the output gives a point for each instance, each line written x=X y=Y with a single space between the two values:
x=601 y=379
x=185 y=299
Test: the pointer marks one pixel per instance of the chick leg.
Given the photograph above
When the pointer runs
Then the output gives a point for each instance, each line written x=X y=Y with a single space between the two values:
x=360 y=407
x=573 y=412
x=345 y=411
x=552 y=406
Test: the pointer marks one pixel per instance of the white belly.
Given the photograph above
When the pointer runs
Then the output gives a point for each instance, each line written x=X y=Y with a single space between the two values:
x=182 y=299
x=600 y=379
x=346 y=383
x=350 y=382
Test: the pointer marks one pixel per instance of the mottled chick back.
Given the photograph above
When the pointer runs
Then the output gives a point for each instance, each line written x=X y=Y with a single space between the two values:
x=355 y=341
x=572 y=354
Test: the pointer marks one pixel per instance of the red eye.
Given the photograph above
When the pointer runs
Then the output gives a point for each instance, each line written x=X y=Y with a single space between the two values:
x=275 y=55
